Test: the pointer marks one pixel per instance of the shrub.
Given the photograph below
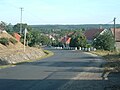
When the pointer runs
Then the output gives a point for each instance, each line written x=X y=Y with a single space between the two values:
x=12 y=40
x=105 y=41
x=88 y=46
x=4 y=41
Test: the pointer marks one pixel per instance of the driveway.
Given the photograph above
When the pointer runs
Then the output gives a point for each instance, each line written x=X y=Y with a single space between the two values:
x=66 y=70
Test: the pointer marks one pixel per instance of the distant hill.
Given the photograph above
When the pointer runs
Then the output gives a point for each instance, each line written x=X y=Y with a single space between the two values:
x=72 y=27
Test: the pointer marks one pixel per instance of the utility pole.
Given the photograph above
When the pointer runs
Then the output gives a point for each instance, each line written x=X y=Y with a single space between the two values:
x=25 y=31
x=114 y=27
x=21 y=9
x=114 y=31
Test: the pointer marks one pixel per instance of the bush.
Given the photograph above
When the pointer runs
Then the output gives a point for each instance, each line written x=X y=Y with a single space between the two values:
x=88 y=45
x=12 y=40
x=105 y=41
x=4 y=41
x=78 y=40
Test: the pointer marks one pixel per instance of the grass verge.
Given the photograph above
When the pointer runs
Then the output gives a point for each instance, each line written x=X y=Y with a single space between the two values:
x=112 y=60
x=48 y=54
x=6 y=66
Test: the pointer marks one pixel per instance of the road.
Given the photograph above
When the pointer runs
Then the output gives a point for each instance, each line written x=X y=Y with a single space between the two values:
x=66 y=70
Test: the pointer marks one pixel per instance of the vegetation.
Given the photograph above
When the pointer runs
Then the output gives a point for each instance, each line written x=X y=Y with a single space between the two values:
x=37 y=35
x=7 y=27
x=78 y=40
x=12 y=40
x=50 y=28
x=16 y=28
x=112 y=58
x=36 y=38
x=4 y=41
x=105 y=41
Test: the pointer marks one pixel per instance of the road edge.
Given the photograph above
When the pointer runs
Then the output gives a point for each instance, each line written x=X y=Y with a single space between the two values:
x=48 y=54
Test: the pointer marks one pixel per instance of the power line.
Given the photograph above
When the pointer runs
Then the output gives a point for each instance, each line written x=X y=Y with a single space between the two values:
x=109 y=22
x=28 y=12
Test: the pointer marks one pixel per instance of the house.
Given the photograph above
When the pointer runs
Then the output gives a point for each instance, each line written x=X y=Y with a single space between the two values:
x=116 y=33
x=51 y=37
x=92 y=33
x=17 y=36
x=66 y=41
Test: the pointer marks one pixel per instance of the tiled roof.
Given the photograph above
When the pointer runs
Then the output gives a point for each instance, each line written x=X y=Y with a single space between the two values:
x=91 y=33
x=17 y=36
x=66 y=40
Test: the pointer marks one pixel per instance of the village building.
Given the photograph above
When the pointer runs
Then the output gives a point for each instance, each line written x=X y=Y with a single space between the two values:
x=17 y=36
x=116 y=34
x=66 y=41
x=91 y=34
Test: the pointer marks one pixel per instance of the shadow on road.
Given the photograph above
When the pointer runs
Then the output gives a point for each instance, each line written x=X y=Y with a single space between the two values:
x=66 y=70
x=114 y=81
x=56 y=84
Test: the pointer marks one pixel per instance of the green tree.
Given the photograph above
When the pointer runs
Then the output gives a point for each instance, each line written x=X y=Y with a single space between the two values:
x=105 y=41
x=9 y=28
x=78 y=40
x=6 y=27
x=45 y=40
x=16 y=27
x=3 y=25
x=34 y=38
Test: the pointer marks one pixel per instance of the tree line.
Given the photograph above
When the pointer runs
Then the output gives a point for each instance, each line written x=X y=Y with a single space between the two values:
x=36 y=37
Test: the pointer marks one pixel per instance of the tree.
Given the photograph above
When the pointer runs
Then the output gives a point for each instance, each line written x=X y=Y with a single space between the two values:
x=9 y=28
x=34 y=38
x=45 y=40
x=16 y=27
x=78 y=40
x=6 y=27
x=3 y=25
x=105 y=41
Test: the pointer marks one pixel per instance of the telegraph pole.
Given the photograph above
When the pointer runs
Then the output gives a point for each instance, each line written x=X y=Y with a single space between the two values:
x=21 y=9
x=114 y=27
x=114 y=31
x=25 y=32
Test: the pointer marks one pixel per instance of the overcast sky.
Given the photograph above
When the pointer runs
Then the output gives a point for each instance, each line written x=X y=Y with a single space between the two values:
x=60 y=11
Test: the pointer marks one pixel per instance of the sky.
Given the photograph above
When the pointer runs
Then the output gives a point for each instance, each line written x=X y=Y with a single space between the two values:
x=36 y=12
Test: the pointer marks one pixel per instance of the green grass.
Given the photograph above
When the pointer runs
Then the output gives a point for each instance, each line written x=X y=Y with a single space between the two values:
x=48 y=54
x=6 y=66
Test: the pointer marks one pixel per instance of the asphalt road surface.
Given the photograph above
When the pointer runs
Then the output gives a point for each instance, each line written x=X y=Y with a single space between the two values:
x=66 y=70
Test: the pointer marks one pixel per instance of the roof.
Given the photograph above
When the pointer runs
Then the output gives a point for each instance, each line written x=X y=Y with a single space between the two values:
x=66 y=40
x=17 y=36
x=91 y=33
x=117 y=34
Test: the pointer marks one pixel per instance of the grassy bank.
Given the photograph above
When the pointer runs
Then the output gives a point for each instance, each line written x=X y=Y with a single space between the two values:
x=48 y=54
x=112 y=58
